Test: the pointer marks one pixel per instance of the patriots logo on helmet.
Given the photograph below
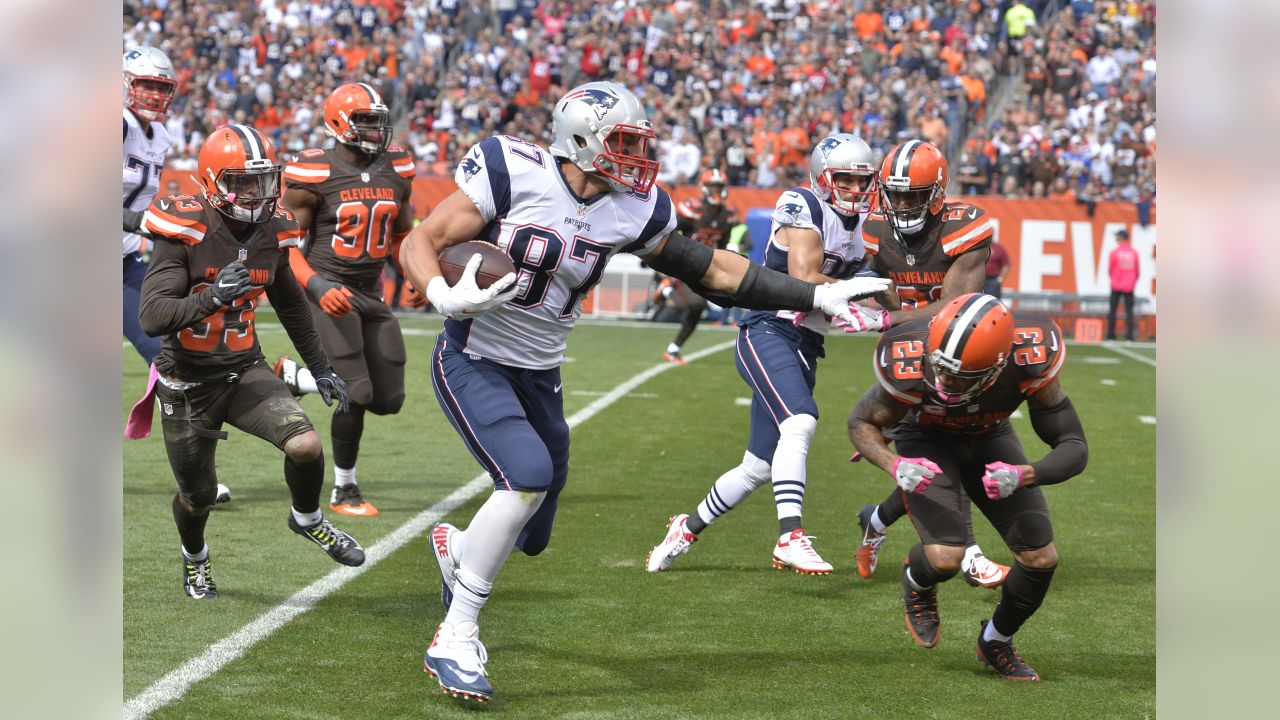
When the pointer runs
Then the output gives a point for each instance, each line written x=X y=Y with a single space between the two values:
x=792 y=211
x=599 y=100
x=826 y=146
x=469 y=168
x=133 y=54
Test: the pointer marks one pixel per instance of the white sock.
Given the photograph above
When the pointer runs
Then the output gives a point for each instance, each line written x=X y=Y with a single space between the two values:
x=673 y=348
x=795 y=434
x=991 y=633
x=470 y=593
x=307 y=519
x=490 y=537
x=198 y=557
x=733 y=487
x=911 y=581
x=306 y=382
x=876 y=523
x=343 y=477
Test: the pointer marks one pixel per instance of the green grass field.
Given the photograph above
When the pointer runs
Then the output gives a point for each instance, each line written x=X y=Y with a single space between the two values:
x=582 y=631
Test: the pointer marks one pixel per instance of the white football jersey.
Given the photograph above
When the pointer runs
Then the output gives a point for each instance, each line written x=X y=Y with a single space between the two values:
x=558 y=243
x=143 y=163
x=844 y=253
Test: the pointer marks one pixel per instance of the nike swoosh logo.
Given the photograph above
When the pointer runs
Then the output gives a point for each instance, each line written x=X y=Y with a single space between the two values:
x=882 y=356
x=357 y=509
x=467 y=677
x=559 y=386
x=164 y=205
x=1053 y=341
x=227 y=284
x=973 y=213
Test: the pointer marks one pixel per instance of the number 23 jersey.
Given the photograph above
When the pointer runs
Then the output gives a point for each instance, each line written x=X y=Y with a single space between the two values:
x=1037 y=358
x=559 y=244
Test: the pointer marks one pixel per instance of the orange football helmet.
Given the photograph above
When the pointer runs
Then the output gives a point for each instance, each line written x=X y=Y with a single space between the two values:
x=913 y=184
x=239 y=173
x=355 y=115
x=968 y=345
x=714 y=186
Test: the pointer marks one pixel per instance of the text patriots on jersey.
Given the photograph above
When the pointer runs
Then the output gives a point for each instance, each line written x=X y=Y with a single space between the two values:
x=581 y=225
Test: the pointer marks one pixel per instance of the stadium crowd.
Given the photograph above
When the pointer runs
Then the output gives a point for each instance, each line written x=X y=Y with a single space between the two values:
x=746 y=87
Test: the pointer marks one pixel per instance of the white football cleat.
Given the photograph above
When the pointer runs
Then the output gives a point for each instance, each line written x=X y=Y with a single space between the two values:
x=795 y=551
x=223 y=496
x=456 y=659
x=979 y=571
x=677 y=542
x=287 y=370
x=440 y=536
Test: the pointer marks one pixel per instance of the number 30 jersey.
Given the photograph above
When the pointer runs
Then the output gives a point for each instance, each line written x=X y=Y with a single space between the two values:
x=1037 y=358
x=356 y=207
x=559 y=244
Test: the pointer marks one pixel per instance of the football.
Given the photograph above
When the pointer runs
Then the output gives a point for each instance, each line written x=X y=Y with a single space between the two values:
x=494 y=263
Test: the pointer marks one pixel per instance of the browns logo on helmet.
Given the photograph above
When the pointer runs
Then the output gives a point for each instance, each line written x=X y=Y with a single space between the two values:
x=913 y=184
x=239 y=173
x=968 y=345
x=355 y=116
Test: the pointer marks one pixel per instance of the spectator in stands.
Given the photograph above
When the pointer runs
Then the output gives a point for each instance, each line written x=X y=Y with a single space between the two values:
x=998 y=264
x=1122 y=264
x=971 y=173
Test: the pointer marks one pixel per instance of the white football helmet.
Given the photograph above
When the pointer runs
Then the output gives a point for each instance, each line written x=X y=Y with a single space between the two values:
x=602 y=128
x=843 y=153
x=150 y=83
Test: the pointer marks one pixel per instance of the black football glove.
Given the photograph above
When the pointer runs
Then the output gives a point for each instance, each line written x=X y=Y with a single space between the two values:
x=332 y=388
x=231 y=283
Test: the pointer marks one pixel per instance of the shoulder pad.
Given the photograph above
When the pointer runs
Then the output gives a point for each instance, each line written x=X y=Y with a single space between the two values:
x=964 y=227
x=690 y=208
x=402 y=162
x=872 y=228
x=311 y=166
x=1039 y=352
x=288 y=233
x=176 y=217
x=899 y=363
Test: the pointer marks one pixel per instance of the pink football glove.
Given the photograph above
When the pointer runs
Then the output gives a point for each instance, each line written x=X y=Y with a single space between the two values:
x=914 y=474
x=865 y=319
x=1001 y=479
x=798 y=320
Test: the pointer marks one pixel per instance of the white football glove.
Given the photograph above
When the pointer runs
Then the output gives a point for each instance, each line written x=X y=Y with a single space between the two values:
x=1001 y=479
x=914 y=474
x=865 y=320
x=466 y=300
x=833 y=298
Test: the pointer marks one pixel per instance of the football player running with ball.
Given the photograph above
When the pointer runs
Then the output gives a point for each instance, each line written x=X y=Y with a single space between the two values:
x=948 y=386
x=214 y=258
x=353 y=201
x=933 y=250
x=816 y=236
x=560 y=214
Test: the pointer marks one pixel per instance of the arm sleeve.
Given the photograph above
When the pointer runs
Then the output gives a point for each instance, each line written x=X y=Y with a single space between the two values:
x=287 y=298
x=1059 y=427
x=166 y=307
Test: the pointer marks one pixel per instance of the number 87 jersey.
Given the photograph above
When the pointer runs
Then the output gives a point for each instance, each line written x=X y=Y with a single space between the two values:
x=355 y=211
x=559 y=244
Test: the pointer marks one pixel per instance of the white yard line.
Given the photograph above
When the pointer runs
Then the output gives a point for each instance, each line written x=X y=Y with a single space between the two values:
x=176 y=684
x=1129 y=353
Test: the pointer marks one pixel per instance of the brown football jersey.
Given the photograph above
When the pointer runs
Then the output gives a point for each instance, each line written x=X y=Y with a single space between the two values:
x=355 y=210
x=1036 y=359
x=192 y=245
x=706 y=223
x=918 y=269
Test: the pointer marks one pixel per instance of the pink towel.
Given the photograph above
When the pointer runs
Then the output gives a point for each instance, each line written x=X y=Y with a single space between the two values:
x=139 y=424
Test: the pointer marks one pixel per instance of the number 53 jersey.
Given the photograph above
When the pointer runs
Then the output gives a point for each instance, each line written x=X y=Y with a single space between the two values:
x=558 y=243
x=356 y=207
